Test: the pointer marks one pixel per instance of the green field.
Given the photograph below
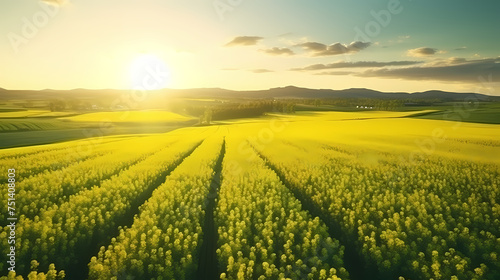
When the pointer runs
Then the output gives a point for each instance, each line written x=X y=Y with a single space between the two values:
x=15 y=125
x=32 y=120
x=316 y=195
x=448 y=111
x=482 y=113
x=31 y=127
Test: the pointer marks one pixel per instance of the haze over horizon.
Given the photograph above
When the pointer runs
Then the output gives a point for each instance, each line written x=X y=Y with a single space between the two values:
x=390 y=46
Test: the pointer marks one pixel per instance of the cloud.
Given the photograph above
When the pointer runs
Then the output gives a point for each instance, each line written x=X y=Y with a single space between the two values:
x=313 y=46
x=460 y=49
x=357 y=64
x=278 y=51
x=420 y=52
x=449 y=61
x=258 y=71
x=54 y=2
x=319 y=49
x=336 y=73
x=454 y=70
x=244 y=41
x=358 y=46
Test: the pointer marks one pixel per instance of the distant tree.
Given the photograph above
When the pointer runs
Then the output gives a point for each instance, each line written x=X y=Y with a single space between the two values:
x=206 y=118
x=57 y=105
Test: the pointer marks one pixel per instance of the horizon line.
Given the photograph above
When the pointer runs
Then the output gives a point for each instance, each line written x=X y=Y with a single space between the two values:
x=245 y=90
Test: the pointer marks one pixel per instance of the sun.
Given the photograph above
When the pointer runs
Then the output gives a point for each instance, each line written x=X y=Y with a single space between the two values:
x=149 y=72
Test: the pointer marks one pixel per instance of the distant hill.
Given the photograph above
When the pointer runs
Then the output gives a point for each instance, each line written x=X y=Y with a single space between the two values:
x=437 y=94
x=277 y=93
x=296 y=92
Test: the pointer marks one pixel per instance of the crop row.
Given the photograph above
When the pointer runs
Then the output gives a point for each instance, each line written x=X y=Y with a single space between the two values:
x=31 y=161
x=66 y=234
x=49 y=189
x=165 y=238
x=263 y=231
x=434 y=217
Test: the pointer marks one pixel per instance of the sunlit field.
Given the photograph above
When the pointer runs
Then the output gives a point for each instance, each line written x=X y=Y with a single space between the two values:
x=249 y=140
x=306 y=196
x=22 y=114
x=129 y=116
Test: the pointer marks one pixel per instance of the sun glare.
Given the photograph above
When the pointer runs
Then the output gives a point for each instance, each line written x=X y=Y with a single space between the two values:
x=149 y=72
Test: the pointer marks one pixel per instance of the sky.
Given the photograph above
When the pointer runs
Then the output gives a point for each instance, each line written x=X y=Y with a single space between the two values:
x=387 y=45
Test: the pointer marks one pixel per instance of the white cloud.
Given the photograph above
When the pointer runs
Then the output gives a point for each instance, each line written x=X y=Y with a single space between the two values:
x=278 y=51
x=422 y=52
x=244 y=41
x=319 y=49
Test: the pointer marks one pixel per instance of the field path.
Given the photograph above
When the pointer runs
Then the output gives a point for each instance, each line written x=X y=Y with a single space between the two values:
x=208 y=266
